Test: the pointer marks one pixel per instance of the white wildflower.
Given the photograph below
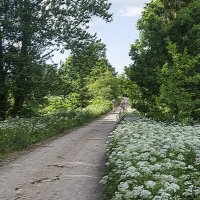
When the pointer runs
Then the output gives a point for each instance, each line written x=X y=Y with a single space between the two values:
x=123 y=186
x=104 y=180
x=172 y=187
x=145 y=194
x=150 y=184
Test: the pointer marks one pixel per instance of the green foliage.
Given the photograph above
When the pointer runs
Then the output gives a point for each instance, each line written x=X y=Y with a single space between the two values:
x=99 y=106
x=132 y=91
x=163 y=21
x=29 y=32
x=19 y=133
x=86 y=75
x=124 y=85
x=55 y=103
x=74 y=72
x=178 y=99
x=103 y=85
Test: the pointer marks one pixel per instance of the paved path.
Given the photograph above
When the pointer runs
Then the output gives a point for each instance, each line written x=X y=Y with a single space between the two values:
x=68 y=168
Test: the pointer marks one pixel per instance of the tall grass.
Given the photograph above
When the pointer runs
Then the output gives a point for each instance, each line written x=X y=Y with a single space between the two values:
x=18 y=133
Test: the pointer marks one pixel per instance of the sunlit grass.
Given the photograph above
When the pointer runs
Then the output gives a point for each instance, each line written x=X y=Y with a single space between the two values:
x=19 y=133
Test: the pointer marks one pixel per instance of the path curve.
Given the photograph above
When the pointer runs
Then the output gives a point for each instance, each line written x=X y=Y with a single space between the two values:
x=68 y=168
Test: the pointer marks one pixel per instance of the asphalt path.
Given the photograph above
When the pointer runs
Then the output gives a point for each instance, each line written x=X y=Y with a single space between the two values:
x=67 y=168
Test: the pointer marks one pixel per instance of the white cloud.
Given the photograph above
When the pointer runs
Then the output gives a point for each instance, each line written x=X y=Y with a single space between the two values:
x=128 y=8
x=117 y=4
x=131 y=11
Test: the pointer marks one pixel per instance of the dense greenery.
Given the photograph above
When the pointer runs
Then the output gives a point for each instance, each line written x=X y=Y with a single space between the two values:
x=39 y=100
x=29 y=32
x=162 y=82
x=19 y=133
x=165 y=65
x=86 y=72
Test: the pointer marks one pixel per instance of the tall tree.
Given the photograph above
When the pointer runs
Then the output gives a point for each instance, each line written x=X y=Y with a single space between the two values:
x=3 y=88
x=29 y=28
x=77 y=67
x=163 y=20
x=102 y=82
x=177 y=99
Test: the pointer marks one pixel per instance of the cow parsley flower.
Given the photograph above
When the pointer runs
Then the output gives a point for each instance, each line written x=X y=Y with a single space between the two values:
x=150 y=184
x=172 y=187
x=123 y=186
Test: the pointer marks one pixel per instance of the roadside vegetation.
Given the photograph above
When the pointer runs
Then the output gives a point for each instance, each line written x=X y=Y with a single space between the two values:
x=77 y=92
x=18 y=133
x=154 y=153
x=153 y=160
x=40 y=100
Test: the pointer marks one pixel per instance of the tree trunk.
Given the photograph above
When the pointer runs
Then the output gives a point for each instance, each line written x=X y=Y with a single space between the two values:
x=18 y=105
x=22 y=91
x=3 y=102
x=3 y=86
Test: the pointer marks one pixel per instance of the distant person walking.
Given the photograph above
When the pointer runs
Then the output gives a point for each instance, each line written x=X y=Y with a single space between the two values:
x=126 y=102
x=122 y=106
x=113 y=104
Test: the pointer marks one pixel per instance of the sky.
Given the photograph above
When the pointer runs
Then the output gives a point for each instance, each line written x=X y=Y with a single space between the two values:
x=119 y=34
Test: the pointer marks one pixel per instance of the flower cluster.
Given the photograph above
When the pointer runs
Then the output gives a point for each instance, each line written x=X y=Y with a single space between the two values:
x=153 y=160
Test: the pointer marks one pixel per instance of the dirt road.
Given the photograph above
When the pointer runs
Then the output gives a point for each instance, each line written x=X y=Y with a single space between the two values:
x=68 y=168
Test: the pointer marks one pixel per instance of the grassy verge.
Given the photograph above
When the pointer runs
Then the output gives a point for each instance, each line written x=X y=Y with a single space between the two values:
x=152 y=160
x=19 y=133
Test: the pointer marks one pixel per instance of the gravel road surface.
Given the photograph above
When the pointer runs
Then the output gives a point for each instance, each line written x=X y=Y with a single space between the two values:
x=67 y=168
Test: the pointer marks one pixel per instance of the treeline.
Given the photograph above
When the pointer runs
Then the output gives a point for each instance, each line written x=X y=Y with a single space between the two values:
x=30 y=31
x=84 y=78
x=165 y=73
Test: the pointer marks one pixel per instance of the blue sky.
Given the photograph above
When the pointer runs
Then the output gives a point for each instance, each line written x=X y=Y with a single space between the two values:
x=119 y=34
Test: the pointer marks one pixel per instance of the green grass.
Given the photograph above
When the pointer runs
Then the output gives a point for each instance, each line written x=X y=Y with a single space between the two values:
x=19 y=133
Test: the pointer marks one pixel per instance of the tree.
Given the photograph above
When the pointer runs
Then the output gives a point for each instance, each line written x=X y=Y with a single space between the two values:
x=179 y=82
x=102 y=83
x=32 y=30
x=129 y=89
x=163 y=20
x=144 y=53
x=74 y=72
